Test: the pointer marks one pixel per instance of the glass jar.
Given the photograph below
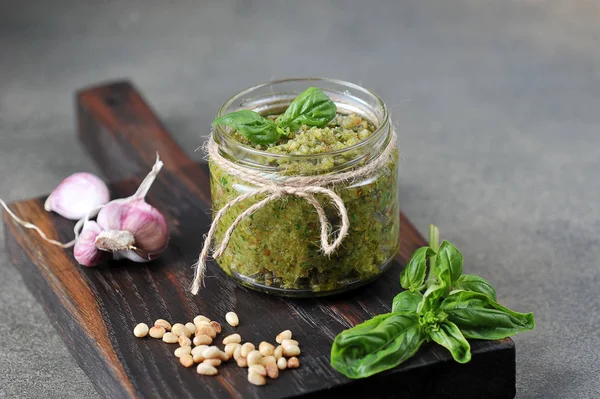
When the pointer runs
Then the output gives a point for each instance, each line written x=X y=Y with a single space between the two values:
x=277 y=249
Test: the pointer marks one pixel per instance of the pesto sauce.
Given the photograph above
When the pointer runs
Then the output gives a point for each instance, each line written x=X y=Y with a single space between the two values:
x=279 y=245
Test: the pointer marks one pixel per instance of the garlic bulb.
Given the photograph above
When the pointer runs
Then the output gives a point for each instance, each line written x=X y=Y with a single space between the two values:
x=125 y=228
x=76 y=195
x=133 y=230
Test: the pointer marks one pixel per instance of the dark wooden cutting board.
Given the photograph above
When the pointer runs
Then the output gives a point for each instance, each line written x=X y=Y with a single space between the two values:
x=95 y=309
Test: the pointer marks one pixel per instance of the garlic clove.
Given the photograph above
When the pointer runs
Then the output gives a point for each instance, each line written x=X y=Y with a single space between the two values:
x=85 y=250
x=76 y=195
x=111 y=214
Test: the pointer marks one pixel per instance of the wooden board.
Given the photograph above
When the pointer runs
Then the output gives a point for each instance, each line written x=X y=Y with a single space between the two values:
x=95 y=309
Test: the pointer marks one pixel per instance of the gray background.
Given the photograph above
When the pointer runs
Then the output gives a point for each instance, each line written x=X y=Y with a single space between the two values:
x=496 y=104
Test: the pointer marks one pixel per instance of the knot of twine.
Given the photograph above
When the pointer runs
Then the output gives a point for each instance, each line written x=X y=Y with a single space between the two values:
x=278 y=187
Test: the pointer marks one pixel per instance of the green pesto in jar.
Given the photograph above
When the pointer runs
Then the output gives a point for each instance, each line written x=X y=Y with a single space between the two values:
x=279 y=245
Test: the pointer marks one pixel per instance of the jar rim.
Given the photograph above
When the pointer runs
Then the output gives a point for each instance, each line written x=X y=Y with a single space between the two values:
x=381 y=128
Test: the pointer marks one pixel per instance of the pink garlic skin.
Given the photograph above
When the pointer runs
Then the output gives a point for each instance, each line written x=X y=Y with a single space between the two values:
x=145 y=222
x=85 y=250
x=76 y=195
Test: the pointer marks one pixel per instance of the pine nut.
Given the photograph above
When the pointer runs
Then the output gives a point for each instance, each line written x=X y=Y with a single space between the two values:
x=287 y=334
x=291 y=350
x=141 y=330
x=272 y=371
x=183 y=350
x=205 y=329
x=184 y=341
x=230 y=348
x=293 y=363
x=237 y=353
x=157 y=332
x=216 y=326
x=257 y=368
x=212 y=352
x=281 y=363
x=178 y=329
x=232 y=319
x=232 y=339
x=163 y=323
x=202 y=340
x=206 y=369
x=170 y=338
x=289 y=342
x=191 y=327
x=254 y=357
x=198 y=358
x=278 y=352
x=256 y=379
x=268 y=360
x=247 y=348
x=198 y=350
x=212 y=362
x=186 y=360
x=200 y=318
x=266 y=349
x=242 y=362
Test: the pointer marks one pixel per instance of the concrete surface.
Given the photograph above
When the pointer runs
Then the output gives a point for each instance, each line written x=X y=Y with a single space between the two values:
x=496 y=104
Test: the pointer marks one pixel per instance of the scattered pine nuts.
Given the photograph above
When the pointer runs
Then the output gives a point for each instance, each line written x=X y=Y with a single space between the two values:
x=272 y=371
x=232 y=319
x=256 y=379
x=232 y=339
x=186 y=360
x=183 y=350
x=202 y=340
x=206 y=329
x=257 y=368
x=291 y=350
x=141 y=330
x=216 y=326
x=157 y=332
x=198 y=319
x=230 y=348
x=254 y=357
x=170 y=338
x=266 y=349
x=163 y=323
x=191 y=327
x=212 y=362
x=184 y=341
x=287 y=334
x=206 y=369
x=281 y=363
x=278 y=352
x=247 y=348
x=293 y=363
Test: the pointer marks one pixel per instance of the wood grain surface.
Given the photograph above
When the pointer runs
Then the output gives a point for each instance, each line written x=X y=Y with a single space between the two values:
x=95 y=309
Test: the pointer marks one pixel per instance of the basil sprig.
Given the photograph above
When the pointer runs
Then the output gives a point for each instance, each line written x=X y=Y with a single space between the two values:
x=452 y=308
x=312 y=108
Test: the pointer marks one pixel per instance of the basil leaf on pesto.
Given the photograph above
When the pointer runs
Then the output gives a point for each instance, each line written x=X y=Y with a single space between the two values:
x=312 y=107
x=258 y=129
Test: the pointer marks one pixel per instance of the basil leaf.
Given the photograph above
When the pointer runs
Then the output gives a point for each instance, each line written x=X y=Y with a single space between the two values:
x=312 y=107
x=255 y=127
x=433 y=297
x=378 y=344
x=449 y=336
x=406 y=301
x=471 y=282
x=413 y=275
x=448 y=263
x=480 y=317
